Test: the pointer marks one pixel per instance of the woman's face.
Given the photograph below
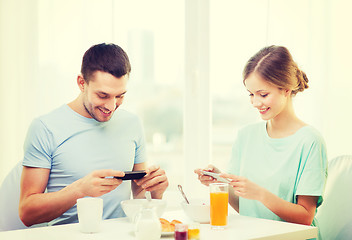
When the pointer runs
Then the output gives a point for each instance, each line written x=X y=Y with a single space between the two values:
x=267 y=98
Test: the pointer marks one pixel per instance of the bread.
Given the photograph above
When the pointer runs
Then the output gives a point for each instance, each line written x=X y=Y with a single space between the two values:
x=167 y=226
x=173 y=223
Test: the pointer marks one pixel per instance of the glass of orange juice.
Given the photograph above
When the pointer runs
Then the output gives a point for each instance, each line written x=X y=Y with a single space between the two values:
x=219 y=199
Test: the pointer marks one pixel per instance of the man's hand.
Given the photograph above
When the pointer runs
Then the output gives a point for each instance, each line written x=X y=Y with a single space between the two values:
x=154 y=181
x=99 y=182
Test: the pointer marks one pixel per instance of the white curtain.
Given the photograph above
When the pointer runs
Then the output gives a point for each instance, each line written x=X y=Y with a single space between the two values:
x=18 y=77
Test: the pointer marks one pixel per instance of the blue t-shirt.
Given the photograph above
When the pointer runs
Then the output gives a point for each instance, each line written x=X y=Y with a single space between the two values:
x=72 y=146
x=287 y=167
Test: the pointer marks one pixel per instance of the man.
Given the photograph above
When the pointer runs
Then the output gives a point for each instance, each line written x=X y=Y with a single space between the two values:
x=77 y=149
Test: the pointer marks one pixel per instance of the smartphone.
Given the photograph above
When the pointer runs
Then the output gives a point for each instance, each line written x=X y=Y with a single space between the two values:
x=131 y=175
x=216 y=176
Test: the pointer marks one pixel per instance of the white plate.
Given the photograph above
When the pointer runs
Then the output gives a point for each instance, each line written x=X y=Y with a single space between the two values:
x=165 y=234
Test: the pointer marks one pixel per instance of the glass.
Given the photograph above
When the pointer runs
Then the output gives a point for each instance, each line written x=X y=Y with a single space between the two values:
x=181 y=232
x=193 y=231
x=219 y=199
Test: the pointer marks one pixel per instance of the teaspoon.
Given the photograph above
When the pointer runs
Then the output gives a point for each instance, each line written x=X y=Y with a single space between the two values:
x=183 y=194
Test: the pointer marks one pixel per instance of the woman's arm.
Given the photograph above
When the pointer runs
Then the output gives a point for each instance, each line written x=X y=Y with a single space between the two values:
x=301 y=213
x=233 y=200
x=206 y=180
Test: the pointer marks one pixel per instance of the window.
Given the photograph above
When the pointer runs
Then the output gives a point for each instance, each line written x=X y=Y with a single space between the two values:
x=232 y=43
x=154 y=42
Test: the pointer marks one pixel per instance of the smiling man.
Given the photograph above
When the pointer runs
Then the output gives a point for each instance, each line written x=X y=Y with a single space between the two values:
x=75 y=150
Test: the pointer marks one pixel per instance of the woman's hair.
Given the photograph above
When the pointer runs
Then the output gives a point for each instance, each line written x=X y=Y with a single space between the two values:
x=104 y=57
x=276 y=66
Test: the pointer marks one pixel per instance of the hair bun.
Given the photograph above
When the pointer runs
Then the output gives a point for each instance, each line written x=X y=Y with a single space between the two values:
x=302 y=81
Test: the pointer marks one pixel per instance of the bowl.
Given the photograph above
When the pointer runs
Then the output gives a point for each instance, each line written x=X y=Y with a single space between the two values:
x=132 y=206
x=198 y=210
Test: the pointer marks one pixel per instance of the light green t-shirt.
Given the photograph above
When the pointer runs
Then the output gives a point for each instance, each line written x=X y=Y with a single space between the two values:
x=287 y=167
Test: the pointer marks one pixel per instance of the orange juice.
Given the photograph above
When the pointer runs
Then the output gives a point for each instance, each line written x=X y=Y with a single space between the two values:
x=193 y=231
x=218 y=208
x=193 y=234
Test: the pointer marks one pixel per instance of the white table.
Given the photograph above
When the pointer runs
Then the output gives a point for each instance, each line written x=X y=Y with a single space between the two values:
x=239 y=227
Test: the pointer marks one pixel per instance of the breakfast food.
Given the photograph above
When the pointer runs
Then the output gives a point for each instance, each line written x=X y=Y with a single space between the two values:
x=167 y=226
x=173 y=223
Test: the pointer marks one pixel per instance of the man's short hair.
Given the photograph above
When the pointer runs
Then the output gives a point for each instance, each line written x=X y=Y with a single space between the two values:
x=104 y=57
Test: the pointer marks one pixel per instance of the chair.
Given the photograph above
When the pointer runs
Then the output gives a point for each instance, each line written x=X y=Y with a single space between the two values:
x=9 y=200
x=334 y=216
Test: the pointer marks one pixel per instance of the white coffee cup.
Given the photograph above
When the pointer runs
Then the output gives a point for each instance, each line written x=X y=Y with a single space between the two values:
x=90 y=213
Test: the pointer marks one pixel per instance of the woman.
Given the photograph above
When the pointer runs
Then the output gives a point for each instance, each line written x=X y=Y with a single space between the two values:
x=278 y=167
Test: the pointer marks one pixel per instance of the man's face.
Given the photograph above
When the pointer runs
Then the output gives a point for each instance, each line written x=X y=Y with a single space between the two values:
x=103 y=95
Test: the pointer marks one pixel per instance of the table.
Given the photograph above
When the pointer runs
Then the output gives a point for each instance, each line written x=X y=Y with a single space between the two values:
x=240 y=227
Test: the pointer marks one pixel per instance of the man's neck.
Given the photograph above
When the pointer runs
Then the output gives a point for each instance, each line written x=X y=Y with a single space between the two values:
x=77 y=106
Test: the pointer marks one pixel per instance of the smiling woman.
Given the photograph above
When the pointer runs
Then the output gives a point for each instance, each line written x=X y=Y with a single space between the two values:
x=317 y=41
x=286 y=173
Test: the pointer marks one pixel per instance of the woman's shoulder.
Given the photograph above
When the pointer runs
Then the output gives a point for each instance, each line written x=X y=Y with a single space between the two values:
x=310 y=131
x=253 y=127
x=310 y=135
x=251 y=130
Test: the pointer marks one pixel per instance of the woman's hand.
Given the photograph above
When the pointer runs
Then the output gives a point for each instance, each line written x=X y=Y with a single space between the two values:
x=244 y=188
x=204 y=179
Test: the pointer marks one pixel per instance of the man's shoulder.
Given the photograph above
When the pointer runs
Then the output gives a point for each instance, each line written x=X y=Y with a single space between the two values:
x=125 y=112
x=55 y=114
x=125 y=116
x=57 y=118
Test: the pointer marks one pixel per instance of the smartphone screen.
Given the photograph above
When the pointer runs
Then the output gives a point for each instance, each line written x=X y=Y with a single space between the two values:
x=131 y=175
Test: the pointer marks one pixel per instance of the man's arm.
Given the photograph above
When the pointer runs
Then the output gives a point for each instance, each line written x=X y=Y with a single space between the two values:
x=38 y=207
x=155 y=181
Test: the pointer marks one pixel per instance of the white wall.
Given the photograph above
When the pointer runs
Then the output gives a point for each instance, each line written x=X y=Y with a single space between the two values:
x=337 y=103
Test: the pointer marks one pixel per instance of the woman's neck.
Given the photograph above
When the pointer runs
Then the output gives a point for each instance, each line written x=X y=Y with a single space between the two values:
x=284 y=124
